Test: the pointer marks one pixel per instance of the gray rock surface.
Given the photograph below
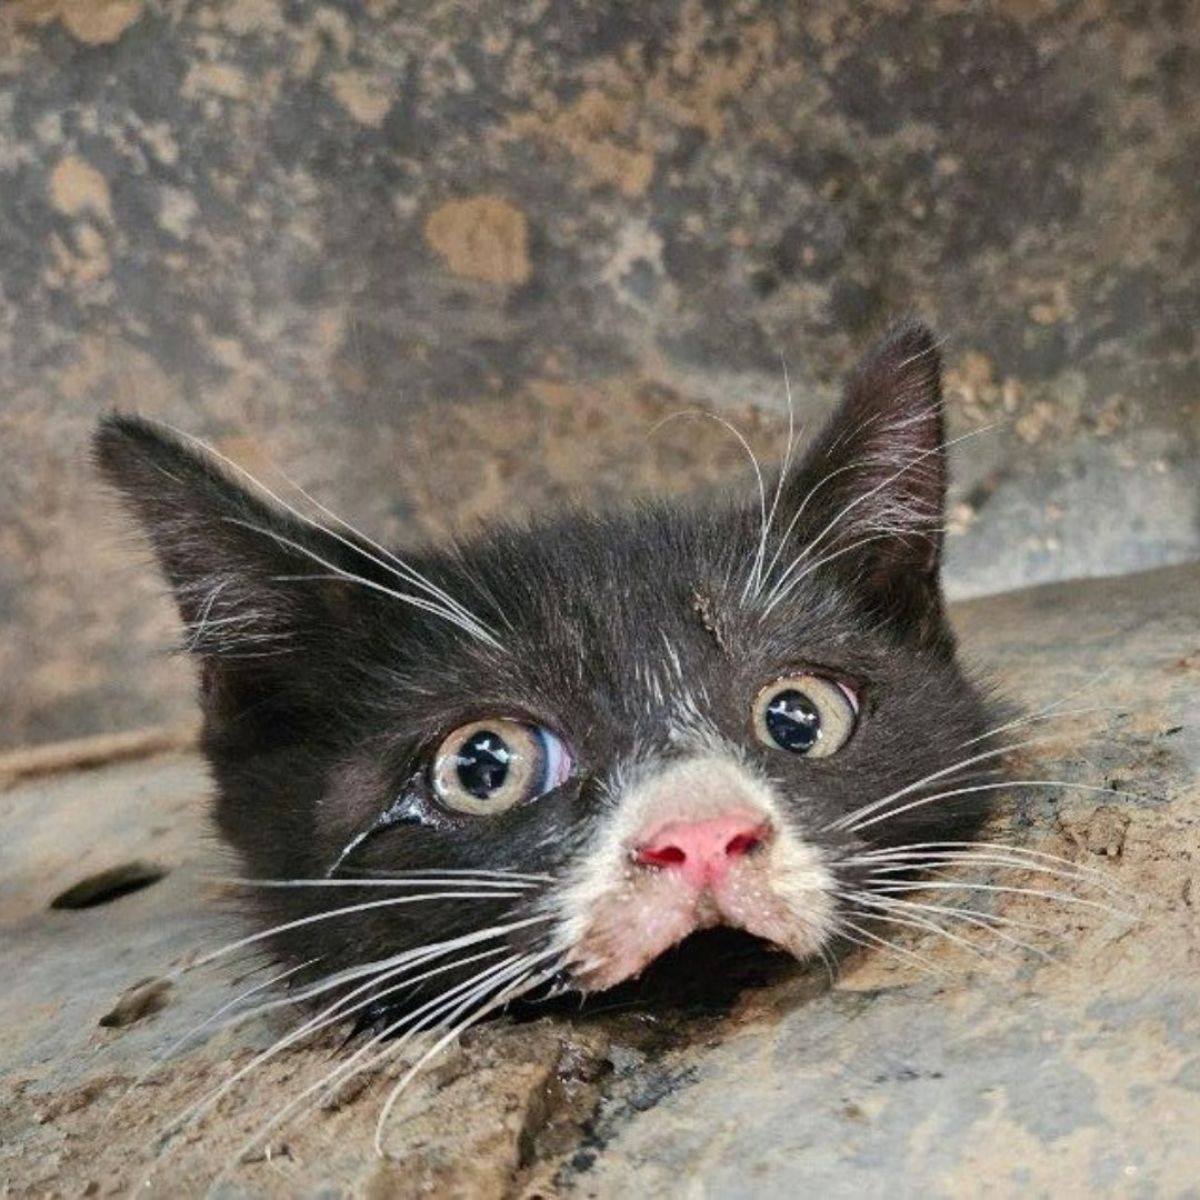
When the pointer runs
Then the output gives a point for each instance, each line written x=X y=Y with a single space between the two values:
x=443 y=260
x=938 y=1068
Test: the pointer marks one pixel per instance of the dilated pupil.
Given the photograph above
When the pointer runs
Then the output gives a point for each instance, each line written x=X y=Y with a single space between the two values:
x=482 y=763
x=793 y=721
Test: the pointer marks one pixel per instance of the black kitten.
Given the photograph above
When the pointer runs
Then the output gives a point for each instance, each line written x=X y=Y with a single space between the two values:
x=579 y=742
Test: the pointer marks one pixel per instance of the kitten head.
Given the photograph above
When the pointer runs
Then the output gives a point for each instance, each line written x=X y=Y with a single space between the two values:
x=585 y=739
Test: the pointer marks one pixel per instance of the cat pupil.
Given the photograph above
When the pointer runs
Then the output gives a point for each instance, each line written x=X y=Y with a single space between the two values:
x=482 y=763
x=793 y=721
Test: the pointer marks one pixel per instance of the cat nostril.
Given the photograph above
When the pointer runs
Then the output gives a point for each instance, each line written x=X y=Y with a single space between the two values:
x=660 y=856
x=746 y=843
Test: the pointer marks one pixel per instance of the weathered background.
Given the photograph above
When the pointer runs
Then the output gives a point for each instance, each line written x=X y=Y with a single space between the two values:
x=440 y=260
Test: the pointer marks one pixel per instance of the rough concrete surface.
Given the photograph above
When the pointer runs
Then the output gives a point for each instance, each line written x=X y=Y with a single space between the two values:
x=442 y=260
x=938 y=1069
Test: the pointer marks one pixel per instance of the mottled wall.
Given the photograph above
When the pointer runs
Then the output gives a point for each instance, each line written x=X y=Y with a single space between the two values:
x=442 y=259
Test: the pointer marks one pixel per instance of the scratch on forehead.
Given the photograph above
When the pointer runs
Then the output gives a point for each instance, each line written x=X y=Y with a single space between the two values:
x=702 y=606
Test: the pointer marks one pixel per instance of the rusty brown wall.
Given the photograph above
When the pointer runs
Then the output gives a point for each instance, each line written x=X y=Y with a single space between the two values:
x=440 y=260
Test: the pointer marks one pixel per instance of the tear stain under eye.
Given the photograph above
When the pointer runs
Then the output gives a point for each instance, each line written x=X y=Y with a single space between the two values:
x=404 y=810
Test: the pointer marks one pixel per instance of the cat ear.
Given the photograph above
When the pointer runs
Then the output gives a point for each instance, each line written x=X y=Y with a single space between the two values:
x=873 y=486
x=232 y=559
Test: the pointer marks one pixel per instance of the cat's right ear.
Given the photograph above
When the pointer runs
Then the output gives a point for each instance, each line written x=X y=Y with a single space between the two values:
x=232 y=558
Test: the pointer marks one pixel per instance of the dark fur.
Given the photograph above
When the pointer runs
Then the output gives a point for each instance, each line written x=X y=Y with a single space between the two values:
x=317 y=732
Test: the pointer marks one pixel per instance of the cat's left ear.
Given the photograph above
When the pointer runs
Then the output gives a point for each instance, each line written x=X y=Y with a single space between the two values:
x=873 y=486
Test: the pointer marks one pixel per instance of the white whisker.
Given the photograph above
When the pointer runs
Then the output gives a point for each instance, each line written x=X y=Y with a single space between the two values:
x=369 y=992
x=377 y=969
x=468 y=625
x=480 y=587
x=745 y=445
x=409 y=575
x=1101 y=877
x=333 y=1014
x=512 y=989
x=417 y=1020
x=991 y=787
x=754 y=577
x=1051 y=711
x=882 y=911
x=937 y=860
x=472 y=872
x=980 y=920
x=828 y=962
x=336 y=573
x=781 y=591
x=847 y=821
x=399 y=567
x=914 y=461
x=185 y=1038
x=875 y=942
x=1004 y=889
x=342 y=1069
x=495 y=887
x=790 y=527
x=348 y=910
x=908 y=863
x=987 y=919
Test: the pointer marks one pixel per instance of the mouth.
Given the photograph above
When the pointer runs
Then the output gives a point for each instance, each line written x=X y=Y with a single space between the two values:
x=657 y=913
x=703 y=975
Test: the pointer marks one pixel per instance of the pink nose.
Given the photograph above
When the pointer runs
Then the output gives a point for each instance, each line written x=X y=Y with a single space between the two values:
x=702 y=851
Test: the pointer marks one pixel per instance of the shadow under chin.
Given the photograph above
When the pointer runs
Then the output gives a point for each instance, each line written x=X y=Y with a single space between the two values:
x=701 y=976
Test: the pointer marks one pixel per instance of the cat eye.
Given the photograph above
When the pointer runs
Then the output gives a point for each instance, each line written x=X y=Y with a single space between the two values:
x=487 y=767
x=805 y=714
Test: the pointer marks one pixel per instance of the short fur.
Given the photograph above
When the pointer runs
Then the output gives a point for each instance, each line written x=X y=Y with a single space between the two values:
x=639 y=637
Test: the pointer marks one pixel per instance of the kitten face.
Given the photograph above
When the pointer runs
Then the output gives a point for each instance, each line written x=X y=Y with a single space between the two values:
x=650 y=722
